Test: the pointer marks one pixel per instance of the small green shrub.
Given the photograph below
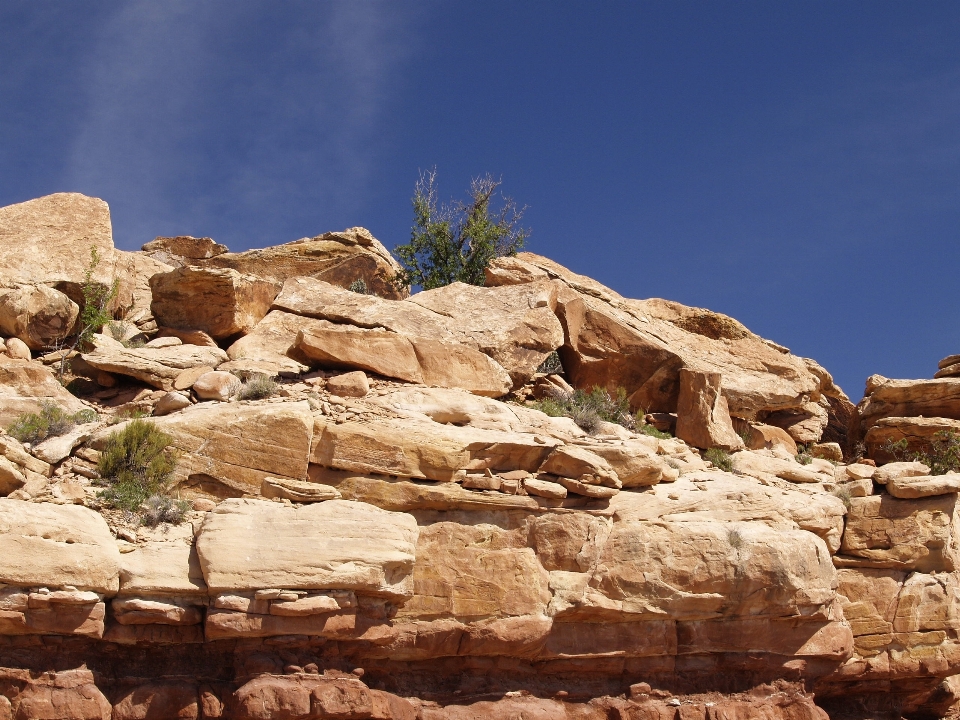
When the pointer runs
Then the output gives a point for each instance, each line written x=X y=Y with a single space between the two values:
x=844 y=494
x=942 y=457
x=359 y=286
x=653 y=432
x=746 y=435
x=551 y=364
x=589 y=409
x=51 y=421
x=735 y=538
x=258 y=387
x=163 y=509
x=135 y=464
x=803 y=455
x=720 y=458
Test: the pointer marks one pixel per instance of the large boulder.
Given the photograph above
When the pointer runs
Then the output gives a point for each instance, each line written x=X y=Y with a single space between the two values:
x=641 y=345
x=885 y=398
x=25 y=386
x=156 y=366
x=221 y=302
x=37 y=314
x=56 y=546
x=339 y=258
x=334 y=545
x=703 y=418
x=919 y=432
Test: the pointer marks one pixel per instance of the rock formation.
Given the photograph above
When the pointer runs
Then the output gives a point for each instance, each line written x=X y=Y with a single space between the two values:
x=381 y=521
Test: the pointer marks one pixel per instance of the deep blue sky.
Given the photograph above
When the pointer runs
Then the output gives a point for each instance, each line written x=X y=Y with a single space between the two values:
x=793 y=164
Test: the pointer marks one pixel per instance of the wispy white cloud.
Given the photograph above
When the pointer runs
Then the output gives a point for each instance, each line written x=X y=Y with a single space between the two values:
x=262 y=120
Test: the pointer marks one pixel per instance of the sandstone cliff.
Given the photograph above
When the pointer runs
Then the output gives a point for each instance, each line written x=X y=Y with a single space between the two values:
x=397 y=530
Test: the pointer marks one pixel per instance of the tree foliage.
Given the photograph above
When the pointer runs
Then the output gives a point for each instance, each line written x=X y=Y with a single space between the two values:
x=455 y=242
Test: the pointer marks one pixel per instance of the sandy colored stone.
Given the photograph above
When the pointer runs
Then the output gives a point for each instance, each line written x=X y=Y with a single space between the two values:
x=377 y=351
x=918 y=487
x=25 y=385
x=167 y=567
x=221 y=302
x=11 y=477
x=578 y=487
x=885 y=532
x=216 y=386
x=17 y=349
x=57 y=448
x=827 y=451
x=351 y=384
x=331 y=545
x=896 y=470
x=426 y=450
x=544 y=488
x=297 y=490
x=703 y=417
x=635 y=463
x=759 y=436
x=171 y=402
x=151 y=611
x=919 y=432
x=765 y=464
x=188 y=337
x=272 y=342
x=186 y=246
x=13 y=451
x=36 y=314
x=909 y=398
x=572 y=461
x=458 y=366
x=805 y=424
x=158 y=367
x=311 y=605
x=56 y=545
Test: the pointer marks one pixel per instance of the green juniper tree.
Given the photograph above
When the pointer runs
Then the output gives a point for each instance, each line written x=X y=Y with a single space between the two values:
x=455 y=242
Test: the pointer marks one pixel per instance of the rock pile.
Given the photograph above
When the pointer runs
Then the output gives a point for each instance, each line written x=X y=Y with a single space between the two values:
x=382 y=521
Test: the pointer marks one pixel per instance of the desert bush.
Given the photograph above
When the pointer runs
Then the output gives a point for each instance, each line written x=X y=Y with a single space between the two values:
x=844 y=494
x=735 y=538
x=455 y=242
x=803 y=455
x=163 y=509
x=135 y=463
x=589 y=409
x=650 y=430
x=51 y=421
x=258 y=387
x=359 y=286
x=720 y=459
x=942 y=457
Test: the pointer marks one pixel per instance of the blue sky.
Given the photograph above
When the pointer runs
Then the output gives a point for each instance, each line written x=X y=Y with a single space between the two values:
x=793 y=164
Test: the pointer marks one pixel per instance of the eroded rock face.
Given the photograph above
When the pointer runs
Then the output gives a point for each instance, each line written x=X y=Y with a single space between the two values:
x=36 y=314
x=155 y=366
x=25 y=385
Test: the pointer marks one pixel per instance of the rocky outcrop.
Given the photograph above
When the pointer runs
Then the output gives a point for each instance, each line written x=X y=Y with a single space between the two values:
x=158 y=367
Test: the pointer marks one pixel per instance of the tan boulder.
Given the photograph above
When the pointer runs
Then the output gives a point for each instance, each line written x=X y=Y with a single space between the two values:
x=425 y=450
x=918 y=487
x=12 y=450
x=641 y=345
x=544 y=488
x=377 y=351
x=11 y=477
x=216 y=385
x=186 y=379
x=764 y=465
x=919 y=432
x=895 y=470
x=516 y=326
x=17 y=349
x=909 y=398
x=351 y=384
x=227 y=449
x=475 y=571
x=579 y=487
x=166 y=564
x=578 y=463
x=457 y=366
x=59 y=447
x=25 y=385
x=330 y=545
x=703 y=417
x=759 y=436
x=187 y=337
x=171 y=402
x=56 y=546
x=952 y=370
x=827 y=451
x=36 y=314
x=221 y=302
x=271 y=344
x=185 y=246
x=158 y=367
x=297 y=490
x=805 y=424
x=884 y=532
x=635 y=464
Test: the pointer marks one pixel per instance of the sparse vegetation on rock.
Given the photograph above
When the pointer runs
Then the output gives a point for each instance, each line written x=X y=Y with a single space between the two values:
x=720 y=459
x=258 y=387
x=455 y=242
x=51 y=421
x=135 y=464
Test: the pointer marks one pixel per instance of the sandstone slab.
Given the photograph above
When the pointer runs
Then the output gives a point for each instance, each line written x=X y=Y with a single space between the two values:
x=216 y=386
x=158 y=367
x=703 y=416
x=56 y=546
x=331 y=545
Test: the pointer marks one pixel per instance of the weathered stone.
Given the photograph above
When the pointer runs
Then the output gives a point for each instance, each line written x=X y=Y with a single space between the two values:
x=57 y=448
x=216 y=386
x=36 y=314
x=331 y=545
x=909 y=398
x=578 y=487
x=759 y=436
x=884 y=532
x=175 y=699
x=351 y=384
x=703 y=417
x=635 y=464
x=11 y=477
x=457 y=366
x=895 y=470
x=221 y=302
x=25 y=386
x=55 y=546
x=171 y=402
x=143 y=611
x=917 y=487
x=13 y=451
x=158 y=367
x=919 y=432
x=765 y=464
x=544 y=488
x=804 y=424
x=426 y=450
x=186 y=246
x=17 y=349
x=60 y=695
x=827 y=451
x=297 y=491
x=572 y=461
x=377 y=351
